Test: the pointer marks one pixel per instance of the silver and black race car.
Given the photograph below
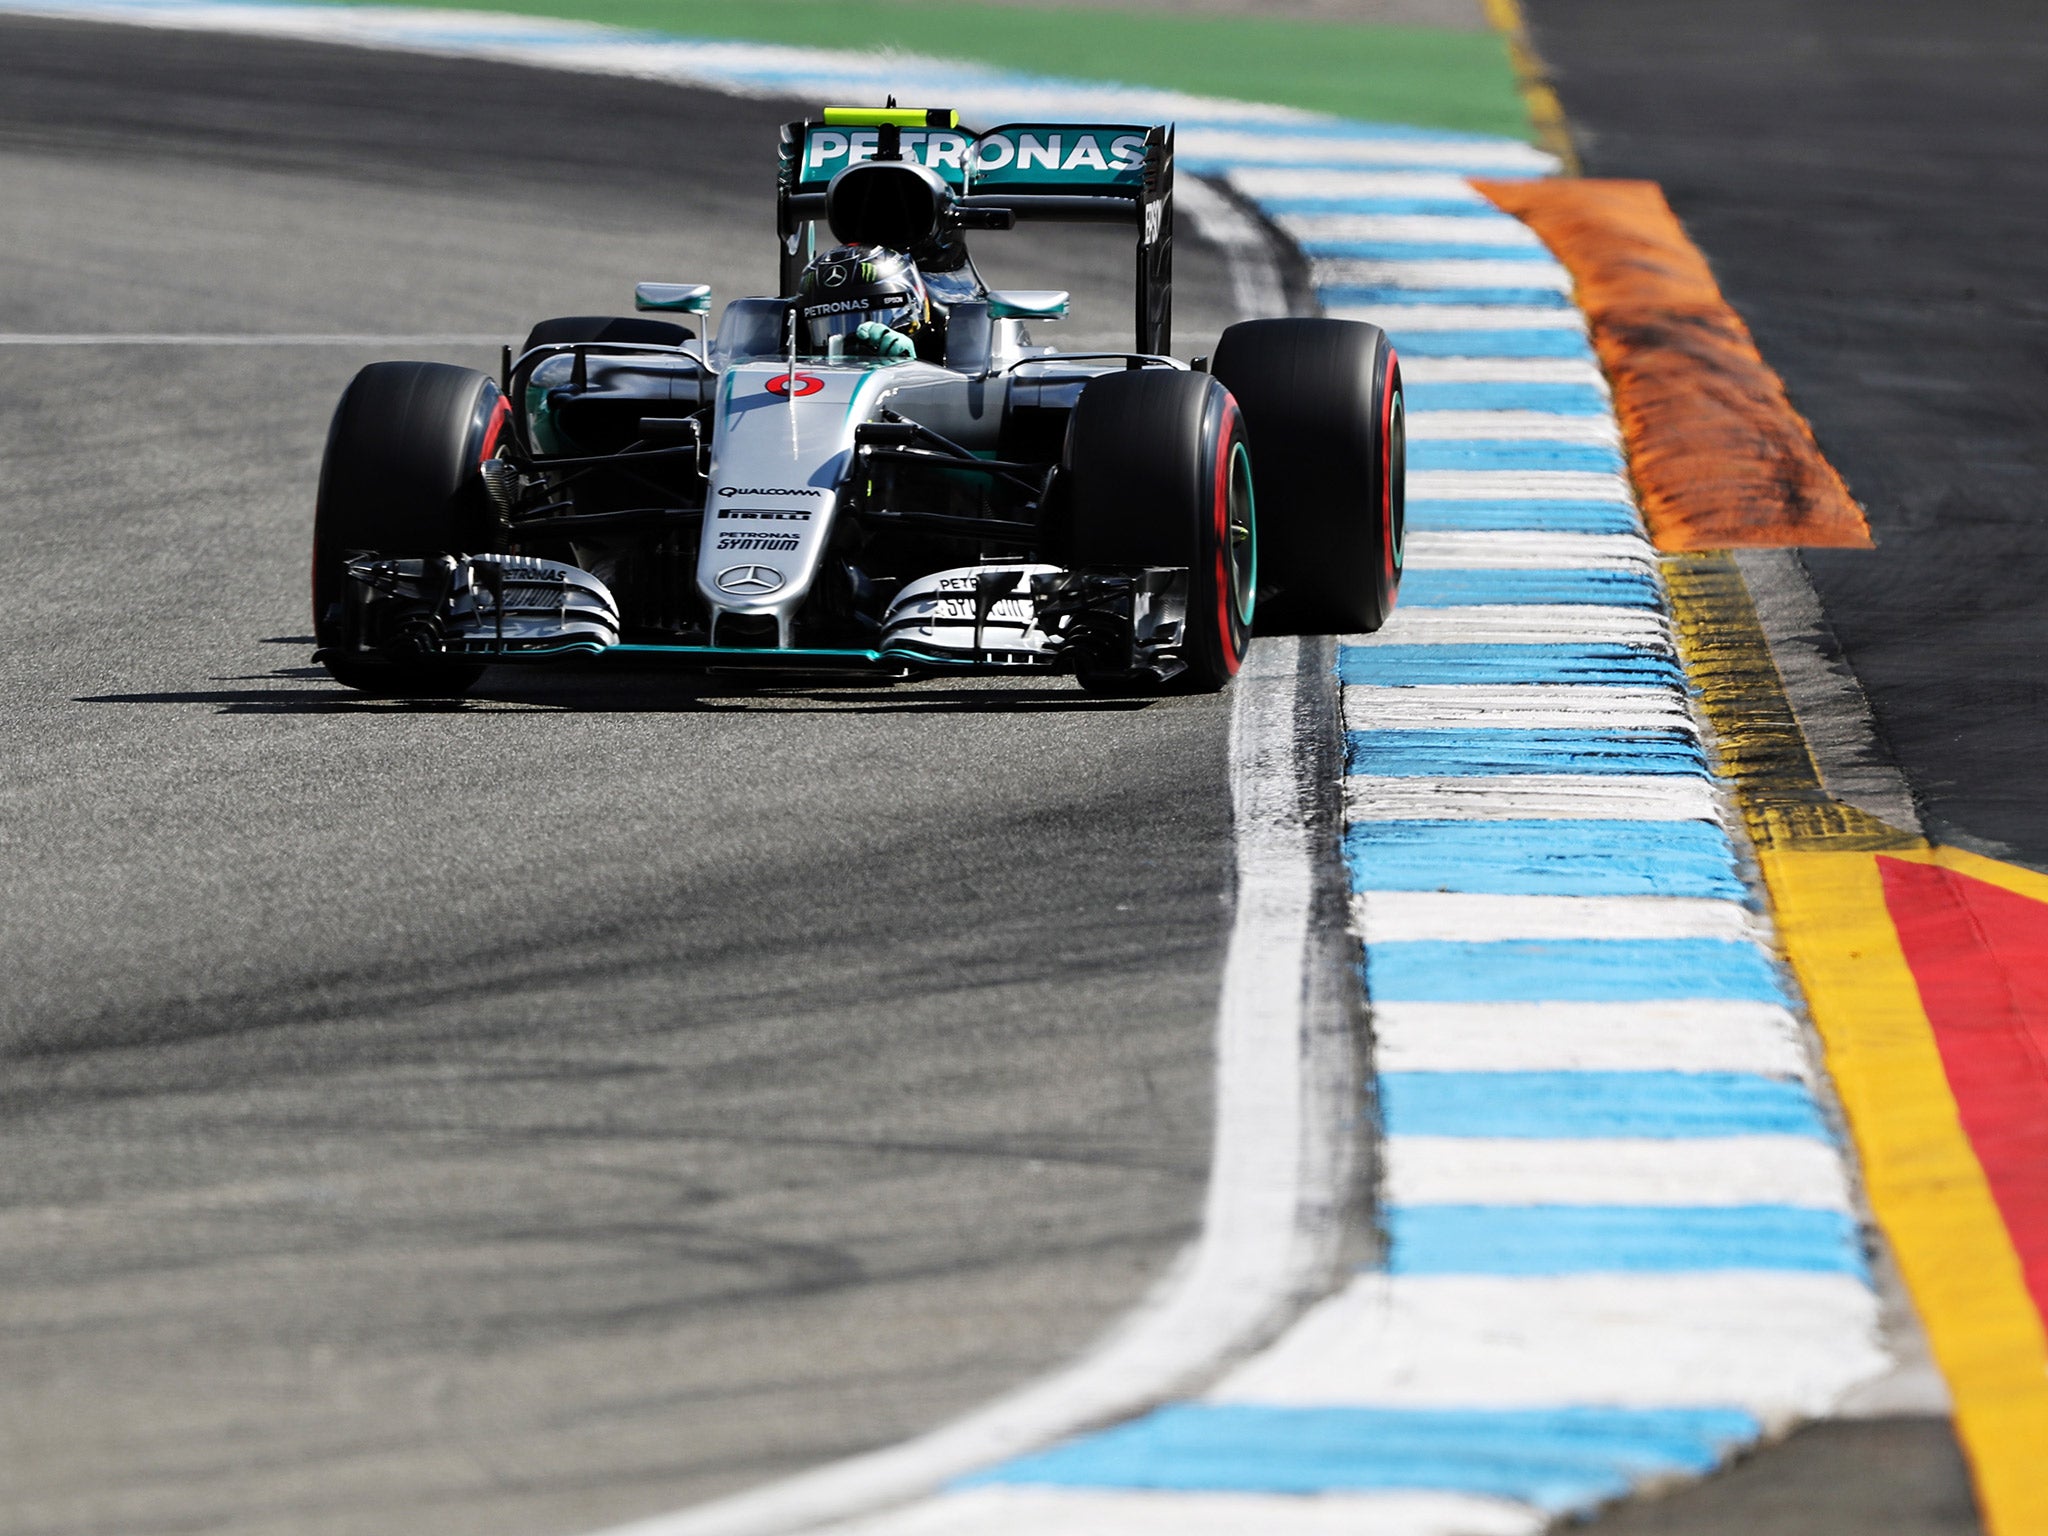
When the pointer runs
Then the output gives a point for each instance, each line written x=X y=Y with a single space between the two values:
x=880 y=471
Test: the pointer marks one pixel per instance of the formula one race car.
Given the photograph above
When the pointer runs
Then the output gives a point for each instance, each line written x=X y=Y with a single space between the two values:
x=878 y=471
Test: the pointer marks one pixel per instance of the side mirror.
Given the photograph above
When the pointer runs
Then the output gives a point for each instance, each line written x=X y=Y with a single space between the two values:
x=1028 y=304
x=674 y=298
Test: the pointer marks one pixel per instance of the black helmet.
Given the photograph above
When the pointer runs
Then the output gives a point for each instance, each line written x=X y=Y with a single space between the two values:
x=846 y=287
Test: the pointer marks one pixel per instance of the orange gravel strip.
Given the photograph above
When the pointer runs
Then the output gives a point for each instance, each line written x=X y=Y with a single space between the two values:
x=1720 y=458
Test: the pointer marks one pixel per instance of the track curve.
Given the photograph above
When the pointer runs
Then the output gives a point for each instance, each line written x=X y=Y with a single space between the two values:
x=576 y=1103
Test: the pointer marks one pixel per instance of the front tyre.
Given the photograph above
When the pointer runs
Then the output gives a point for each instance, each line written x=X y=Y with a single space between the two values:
x=1161 y=475
x=1322 y=403
x=400 y=480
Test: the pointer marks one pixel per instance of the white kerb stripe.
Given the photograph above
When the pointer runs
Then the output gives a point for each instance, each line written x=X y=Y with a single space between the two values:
x=1458 y=229
x=1463 y=317
x=1459 y=549
x=1502 y=370
x=1263 y=181
x=1530 y=797
x=1513 y=426
x=1037 y=1511
x=1468 y=156
x=1698 y=1035
x=1704 y=1171
x=1344 y=272
x=1521 y=624
x=1776 y=1342
x=1393 y=917
x=1514 y=706
x=1514 y=484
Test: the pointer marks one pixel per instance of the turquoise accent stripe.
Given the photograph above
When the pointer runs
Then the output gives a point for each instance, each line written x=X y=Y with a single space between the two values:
x=1568 y=971
x=1557 y=1459
x=1544 y=858
x=1392 y=293
x=1562 y=342
x=1468 y=588
x=1513 y=516
x=1428 y=754
x=1580 y=1106
x=1422 y=250
x=1563 y=399
x=1536 y=454
x=1588 y=662
x=1582 y=1239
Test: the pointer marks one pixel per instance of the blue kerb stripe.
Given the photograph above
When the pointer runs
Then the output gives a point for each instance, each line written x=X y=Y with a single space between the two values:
x=1434 y=753
x=1336 y=294
x=1575 y=1239
x=1467 y=588
x=1568 y=971
x=1532 y=454
x=1544 y=858
x=1587 y=662
x=1563 y=399
x=1557 y=1459
x=1513 y=516
x=1579 y=1106
x=1562 y=342
x=1421 y=250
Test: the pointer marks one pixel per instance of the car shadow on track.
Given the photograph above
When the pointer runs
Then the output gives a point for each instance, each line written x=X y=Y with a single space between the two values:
x=636 y=694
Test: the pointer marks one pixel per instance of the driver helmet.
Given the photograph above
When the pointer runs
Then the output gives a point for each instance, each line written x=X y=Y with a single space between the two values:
x=850 y=285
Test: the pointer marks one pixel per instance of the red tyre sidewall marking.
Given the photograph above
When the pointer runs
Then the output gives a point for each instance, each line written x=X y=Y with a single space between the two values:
x=494 y=428
x=1226 y=628
x=806 y=384
x=1387 y=393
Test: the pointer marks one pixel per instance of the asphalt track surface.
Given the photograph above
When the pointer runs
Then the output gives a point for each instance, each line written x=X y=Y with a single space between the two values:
x=576 y=1103
x=1869 y=179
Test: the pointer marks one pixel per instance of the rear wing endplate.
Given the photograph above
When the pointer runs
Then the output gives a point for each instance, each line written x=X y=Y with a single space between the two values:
x=1119 y=173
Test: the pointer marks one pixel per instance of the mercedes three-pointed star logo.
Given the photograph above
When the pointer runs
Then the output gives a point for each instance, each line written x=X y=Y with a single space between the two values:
x=750 y=580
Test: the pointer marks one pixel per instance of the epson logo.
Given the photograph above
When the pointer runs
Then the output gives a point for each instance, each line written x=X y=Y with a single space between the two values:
x=741 y=490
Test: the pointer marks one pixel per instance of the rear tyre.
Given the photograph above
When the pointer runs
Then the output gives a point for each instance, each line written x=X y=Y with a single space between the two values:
x=1157 y=473
x=626 y=330
x=1322 y=404
x=400 y=480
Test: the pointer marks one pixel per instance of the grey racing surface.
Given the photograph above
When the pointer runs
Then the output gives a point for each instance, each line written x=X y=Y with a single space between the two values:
x=1869 y=179
x=606 y=1093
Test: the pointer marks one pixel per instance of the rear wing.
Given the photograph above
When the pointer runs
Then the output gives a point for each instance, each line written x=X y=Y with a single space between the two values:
x=1119 y=173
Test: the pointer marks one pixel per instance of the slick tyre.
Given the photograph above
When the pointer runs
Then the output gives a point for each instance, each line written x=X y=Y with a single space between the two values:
x=1158 y=473
x=626 y=330
x=1322 y=405
x=400 y=479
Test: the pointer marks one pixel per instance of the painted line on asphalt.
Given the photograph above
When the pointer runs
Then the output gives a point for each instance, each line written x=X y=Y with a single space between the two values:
x=1267 y=1238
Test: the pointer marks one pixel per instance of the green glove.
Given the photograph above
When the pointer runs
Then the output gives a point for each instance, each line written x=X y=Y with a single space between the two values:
x=884 y=342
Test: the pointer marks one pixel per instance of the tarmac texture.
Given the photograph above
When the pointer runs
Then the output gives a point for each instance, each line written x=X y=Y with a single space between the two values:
x=568 y=1105
x=1867 y=181
x=1870 y=181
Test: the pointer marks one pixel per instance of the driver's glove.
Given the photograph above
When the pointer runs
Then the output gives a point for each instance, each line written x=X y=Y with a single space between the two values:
x=885 y=342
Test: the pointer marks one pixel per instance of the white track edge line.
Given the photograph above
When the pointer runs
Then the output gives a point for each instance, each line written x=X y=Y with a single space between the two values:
x=1265 y=1242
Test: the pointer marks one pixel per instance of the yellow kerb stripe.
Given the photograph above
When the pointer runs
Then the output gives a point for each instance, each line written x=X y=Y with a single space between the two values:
x=1925 y=1183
